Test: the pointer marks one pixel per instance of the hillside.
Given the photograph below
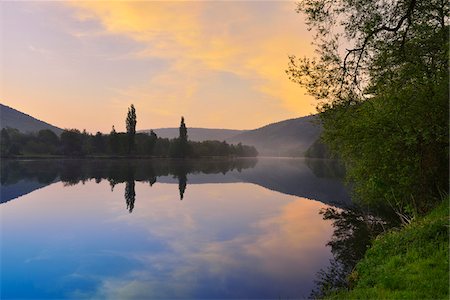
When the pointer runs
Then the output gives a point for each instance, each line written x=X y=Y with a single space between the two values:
x=10 y=117
x=197 y=134
x=286 y=138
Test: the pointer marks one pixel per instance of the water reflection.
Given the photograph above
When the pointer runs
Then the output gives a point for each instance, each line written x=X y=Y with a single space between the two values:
x=354 y=230
x=288 y=176
x=110 y=229
x=228 y=241
x=72 y=172
x=326 y=168
x=130 y=195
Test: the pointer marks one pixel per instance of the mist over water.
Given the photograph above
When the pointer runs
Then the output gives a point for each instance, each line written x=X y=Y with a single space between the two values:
x=164 y=229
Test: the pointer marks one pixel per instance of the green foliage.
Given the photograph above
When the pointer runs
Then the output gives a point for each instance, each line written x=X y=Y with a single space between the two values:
x=384 y=102
x=411 y=263
x=393 y=150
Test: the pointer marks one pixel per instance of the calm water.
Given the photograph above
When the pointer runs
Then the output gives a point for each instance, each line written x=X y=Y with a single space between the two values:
x=165 y=229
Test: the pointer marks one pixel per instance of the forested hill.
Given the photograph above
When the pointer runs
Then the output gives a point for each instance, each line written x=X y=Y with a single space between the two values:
x=197 y=134
x=286 y=138
x=9 y=117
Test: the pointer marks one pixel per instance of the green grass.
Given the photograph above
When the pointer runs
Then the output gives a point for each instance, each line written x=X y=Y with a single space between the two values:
x=411 y=263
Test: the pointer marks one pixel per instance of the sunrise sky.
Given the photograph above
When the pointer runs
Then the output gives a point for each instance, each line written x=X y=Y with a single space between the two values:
x=219 y=64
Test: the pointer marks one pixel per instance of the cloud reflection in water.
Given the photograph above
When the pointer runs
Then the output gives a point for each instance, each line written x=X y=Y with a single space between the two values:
x=223 y=240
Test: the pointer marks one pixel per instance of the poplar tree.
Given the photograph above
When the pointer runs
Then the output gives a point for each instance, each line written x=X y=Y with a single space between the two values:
x=183 y=139
x=183 y=131
x=131 y=128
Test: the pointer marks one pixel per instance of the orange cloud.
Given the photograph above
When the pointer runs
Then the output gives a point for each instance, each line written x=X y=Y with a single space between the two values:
x=249 y=40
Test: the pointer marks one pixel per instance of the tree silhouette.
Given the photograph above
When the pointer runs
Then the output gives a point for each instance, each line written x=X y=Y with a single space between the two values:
x=183 y=131
x=48 y=137
x=183 y=139
x=151 y=142
x=114 y=141
x=131 y=128
x=98 y=143
x=71 y=142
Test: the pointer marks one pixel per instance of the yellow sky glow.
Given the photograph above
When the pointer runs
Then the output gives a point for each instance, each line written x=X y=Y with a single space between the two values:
x=220 y=64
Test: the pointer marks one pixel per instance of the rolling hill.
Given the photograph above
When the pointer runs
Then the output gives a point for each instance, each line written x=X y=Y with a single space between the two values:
x=286 y=138
x=9 y=117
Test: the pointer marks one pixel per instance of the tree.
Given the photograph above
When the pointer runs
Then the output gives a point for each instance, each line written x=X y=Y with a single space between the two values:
x=71 y=142
x=48 y=137
x=371 y=31
x=183 y=131
x=180 y=147
x=86 y=141
x=151 y=142
x=5 y=142
x=98 y=143
x=183 y=139
x=131 y=128
x=381 y=79
x=114 y=141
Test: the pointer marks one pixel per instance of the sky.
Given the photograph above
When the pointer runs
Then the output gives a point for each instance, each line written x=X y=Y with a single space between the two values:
x=219 y=64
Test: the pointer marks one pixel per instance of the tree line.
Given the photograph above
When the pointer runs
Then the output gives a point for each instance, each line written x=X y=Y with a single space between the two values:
x=73 y=142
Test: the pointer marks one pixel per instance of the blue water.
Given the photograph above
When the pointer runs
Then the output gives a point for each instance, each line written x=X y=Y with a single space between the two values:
x=250 y=230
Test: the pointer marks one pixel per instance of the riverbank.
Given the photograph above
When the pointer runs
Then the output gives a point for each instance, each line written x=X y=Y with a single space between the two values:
x=410 y=263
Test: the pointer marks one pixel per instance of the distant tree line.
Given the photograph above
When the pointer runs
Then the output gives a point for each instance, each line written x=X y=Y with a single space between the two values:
x=73 y=142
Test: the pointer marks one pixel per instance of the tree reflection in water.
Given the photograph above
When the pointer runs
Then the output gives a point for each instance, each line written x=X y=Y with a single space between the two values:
x=182 y=182
x=74 y=171
x=354 y=229
x=180 y=172
x=130 y=195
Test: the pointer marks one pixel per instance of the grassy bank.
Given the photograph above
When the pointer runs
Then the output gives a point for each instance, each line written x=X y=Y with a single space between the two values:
x=411 y=263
